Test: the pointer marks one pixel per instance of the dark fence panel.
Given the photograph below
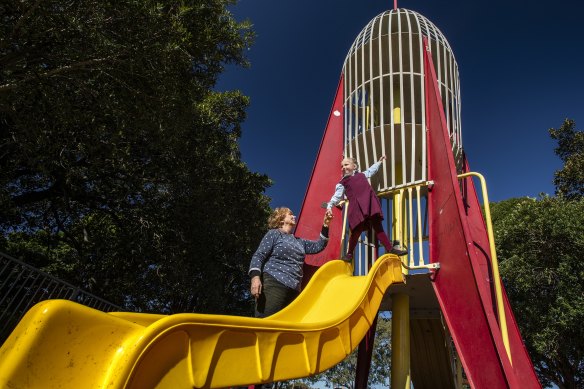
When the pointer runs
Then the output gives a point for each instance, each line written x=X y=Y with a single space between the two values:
x=22 y=286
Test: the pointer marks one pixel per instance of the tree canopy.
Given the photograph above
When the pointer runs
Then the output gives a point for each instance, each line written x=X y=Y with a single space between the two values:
x=343 y=374
x=569 y=180
x=119 y=164
x=540 y=244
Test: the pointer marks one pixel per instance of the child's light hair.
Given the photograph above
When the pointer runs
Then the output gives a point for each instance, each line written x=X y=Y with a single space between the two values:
x=276 y=219
x=354 y=161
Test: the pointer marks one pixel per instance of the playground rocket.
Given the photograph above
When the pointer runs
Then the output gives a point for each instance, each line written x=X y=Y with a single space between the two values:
x=399 y=96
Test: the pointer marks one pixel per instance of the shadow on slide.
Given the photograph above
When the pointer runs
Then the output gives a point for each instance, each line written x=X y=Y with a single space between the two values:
x=61 y=344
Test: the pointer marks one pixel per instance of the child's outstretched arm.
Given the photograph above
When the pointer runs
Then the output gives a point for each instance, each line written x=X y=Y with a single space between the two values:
x=374 y=168
x=337 y=196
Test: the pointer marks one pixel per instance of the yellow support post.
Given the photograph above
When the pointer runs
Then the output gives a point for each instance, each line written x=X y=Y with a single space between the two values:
x=400 y=342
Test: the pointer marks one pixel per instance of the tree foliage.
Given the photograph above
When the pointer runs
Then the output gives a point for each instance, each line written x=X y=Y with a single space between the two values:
x=119 y=165
x=569 y=180
x=540 y=245
x=343 y=374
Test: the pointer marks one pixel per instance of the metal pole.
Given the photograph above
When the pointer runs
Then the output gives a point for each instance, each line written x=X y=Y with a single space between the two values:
x=400 y=342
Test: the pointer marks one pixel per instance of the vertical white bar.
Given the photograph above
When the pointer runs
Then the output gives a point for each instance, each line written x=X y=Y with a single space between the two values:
x=389 y=220
x=457 y=94
x=401 y=102
x=364 y=115
x=447 y=91
x=438 y=64
x=401 y=226
x=348 y=108
x=419 y=218
x=363 y=121
x=355 y=99
x=372 y=101
x=451 y=100
x=392 y=124
x=387 y=17
x=367 y=250
x=451 y=97
x=423 y=102
x=410 y=226
x=457 y=97
x=354 y=121
x=357 y=257
x=451 y=83
x=412 y=102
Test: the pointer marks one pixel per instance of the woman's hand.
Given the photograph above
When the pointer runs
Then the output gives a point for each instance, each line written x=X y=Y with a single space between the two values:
x=256 y=287
x=327 y=217
x=328 y=214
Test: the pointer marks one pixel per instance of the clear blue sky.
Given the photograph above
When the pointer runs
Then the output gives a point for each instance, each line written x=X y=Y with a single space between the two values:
x=521 y=70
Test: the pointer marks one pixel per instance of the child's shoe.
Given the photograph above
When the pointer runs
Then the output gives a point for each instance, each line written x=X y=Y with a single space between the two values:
x=397 y=249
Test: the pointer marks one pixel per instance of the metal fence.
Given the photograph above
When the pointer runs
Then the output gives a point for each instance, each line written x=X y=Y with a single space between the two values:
x=22 y=286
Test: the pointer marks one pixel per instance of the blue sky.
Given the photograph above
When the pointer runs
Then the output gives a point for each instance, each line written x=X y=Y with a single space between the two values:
x=521 y=71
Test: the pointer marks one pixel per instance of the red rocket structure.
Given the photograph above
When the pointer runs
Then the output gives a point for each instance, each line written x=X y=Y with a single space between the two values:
x=399 y=95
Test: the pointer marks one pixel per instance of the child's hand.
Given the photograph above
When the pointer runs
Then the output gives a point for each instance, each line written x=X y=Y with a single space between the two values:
x=327 y=217
x=382 y=158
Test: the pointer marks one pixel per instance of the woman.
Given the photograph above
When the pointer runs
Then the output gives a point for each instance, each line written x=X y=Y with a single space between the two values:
x=276 y=266
x=364 y=206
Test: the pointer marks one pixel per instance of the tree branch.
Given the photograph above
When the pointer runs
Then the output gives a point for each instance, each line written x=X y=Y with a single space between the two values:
x=33 y=197
x=25 y=16
x=64 y=69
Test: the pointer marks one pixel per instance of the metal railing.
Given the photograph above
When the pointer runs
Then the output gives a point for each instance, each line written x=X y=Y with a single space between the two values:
x=409 y=207
x=406 y=220
x=494 y=262
x=22 y=286
x=409 y=223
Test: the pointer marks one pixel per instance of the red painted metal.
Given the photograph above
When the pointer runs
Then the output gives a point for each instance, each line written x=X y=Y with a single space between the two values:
x=364 y=355
x=521 y=362
x=458 y=241
x=324 y=177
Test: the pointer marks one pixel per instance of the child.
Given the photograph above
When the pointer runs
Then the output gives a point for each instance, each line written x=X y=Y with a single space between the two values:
x=364 y=206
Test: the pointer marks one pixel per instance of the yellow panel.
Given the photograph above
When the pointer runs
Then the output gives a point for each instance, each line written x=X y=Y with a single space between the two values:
x=397 y=115
x=60 y=344
x=172 y=371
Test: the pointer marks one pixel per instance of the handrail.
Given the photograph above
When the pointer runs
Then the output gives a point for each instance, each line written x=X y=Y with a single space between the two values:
x=344 y=231
x=494 y=262
x=409 y=196
x=23 y=285
x=418 y=183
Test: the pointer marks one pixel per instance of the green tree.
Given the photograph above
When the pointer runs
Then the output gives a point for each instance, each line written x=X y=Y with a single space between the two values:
x=343 y=374
x=540 y=245
x=119 y=164
x=569 y=180
x=292 y=384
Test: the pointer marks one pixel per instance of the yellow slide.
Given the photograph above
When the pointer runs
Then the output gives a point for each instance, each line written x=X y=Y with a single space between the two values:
x=61 y=344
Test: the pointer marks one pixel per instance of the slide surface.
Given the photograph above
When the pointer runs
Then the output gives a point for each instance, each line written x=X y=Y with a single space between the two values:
x=61 y=344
